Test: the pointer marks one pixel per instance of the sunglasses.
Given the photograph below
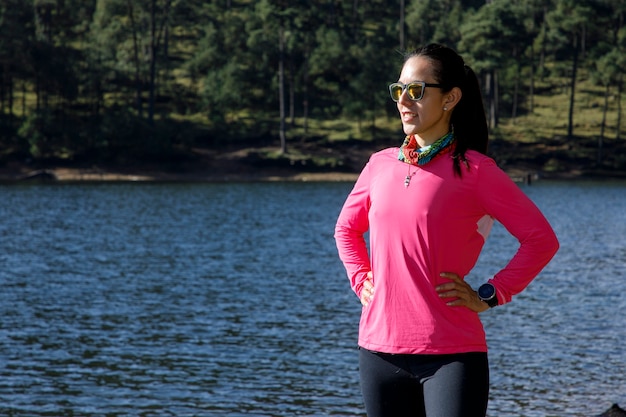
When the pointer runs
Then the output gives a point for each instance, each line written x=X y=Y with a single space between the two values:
x=414 y=89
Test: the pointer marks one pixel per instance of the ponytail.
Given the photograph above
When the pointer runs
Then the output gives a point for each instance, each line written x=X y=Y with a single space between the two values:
x=468 y=117
x=469 y=120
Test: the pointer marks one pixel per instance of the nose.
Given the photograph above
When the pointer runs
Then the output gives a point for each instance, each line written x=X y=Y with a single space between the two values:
x=404 y=98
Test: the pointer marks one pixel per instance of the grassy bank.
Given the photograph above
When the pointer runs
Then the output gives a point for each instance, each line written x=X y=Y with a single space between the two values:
x=535 y=143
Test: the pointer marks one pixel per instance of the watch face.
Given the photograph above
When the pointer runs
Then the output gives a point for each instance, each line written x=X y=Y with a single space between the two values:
x=486 y=291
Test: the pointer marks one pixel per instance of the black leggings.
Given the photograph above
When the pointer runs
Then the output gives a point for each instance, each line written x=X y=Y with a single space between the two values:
x=424 y=385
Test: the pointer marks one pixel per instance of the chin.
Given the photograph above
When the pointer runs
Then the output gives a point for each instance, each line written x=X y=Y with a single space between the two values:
x=410 y=130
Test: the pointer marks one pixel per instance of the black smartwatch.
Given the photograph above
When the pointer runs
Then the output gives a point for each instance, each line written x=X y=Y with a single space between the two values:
x=487 y=293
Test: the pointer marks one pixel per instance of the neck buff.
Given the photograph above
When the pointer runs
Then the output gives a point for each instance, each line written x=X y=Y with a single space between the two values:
x=410 y=154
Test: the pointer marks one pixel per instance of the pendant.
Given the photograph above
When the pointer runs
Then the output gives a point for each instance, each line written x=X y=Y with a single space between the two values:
x=409 y=175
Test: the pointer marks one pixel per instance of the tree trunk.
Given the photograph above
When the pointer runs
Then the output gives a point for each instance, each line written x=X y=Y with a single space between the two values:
x=488 y=97
x=11 y=95
x=153 y=52
x=402 y=41
x=37 y=91
x=619 y=109
x=2 y=91
x=292 y=94
x=355 y=19
x=518 y=71
x=604 y=111
x=570 y=118
x=531 y=93
x=603 y=124
x=305 y=93
x=138 y=102
x=23 y=99
x=491 y=94
x=496 y=99
x=156 y=34
x=281 y=90
x=542 y=52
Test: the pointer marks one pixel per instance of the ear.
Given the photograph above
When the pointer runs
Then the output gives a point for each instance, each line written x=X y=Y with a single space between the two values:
x=452 y=98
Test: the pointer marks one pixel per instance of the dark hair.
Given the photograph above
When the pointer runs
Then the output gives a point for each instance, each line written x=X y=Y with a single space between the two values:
x=468 y=117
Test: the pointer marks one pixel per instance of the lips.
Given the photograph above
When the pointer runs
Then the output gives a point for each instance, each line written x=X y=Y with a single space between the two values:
x=407 y=116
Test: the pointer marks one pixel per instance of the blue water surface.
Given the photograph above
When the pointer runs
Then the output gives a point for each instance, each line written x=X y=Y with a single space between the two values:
x=229 y=300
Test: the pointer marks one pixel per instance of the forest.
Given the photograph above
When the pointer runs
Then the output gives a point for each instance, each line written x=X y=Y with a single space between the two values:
x=136 y=81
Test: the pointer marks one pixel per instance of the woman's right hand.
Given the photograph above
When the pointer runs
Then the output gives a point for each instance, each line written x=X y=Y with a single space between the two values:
x=367 y=292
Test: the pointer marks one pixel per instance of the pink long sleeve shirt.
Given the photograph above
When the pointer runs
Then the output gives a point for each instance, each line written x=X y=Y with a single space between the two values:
x=438 y=223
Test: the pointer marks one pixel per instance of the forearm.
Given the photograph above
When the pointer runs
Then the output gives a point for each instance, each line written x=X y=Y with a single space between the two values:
x=532 y=256
x=354 y=256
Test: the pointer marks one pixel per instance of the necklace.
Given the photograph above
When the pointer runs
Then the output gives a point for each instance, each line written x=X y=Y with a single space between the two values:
x=410 y=154
x=409 y=175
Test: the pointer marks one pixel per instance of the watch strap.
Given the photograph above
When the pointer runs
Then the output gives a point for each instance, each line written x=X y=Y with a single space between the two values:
x=492 y=300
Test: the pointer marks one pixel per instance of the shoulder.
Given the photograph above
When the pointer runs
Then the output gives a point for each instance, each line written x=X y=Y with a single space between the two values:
x=481 y=165
x=385 y=154
x=483 y=172
x=478 y=160
x=379 y=162
x=382 y=159
x=490 y=181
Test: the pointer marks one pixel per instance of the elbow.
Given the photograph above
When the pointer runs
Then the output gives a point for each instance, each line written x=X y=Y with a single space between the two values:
x=549 y=241
x=551 y=246
x=343 y=236
x=345 y=232
x=555 y=245
x=340 y=232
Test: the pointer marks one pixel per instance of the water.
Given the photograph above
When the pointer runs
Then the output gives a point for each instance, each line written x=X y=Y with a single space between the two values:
x=229 y=300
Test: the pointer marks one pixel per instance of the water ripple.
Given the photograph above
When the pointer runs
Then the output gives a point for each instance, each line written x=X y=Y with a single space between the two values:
x=229 y=299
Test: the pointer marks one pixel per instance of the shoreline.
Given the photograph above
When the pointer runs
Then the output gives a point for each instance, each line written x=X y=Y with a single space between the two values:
x=70 y=175
x=555 y=159
x=253 y=165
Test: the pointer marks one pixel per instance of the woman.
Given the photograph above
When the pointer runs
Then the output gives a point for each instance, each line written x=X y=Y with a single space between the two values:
x=429 y=207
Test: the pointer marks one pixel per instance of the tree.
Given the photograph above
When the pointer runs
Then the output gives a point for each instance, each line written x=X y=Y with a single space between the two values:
x=149 y=22
x=373 y=63
x=98 y=77
x=132 y=35
x=567 y=26
x=534 y=12
x=491 y=39
x=16 y=39
x=434 y=21
x=610 y=65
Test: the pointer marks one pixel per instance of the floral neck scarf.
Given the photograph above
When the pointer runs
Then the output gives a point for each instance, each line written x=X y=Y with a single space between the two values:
x=410 y=154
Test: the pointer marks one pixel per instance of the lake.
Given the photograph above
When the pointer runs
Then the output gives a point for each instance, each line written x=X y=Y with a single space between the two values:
x=228 y=299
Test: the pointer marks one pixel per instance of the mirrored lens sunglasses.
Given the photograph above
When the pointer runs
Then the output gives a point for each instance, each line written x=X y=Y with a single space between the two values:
x=414 y=89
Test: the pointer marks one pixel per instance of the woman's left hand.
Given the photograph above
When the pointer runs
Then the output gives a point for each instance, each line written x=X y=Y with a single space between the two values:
x=461 y=292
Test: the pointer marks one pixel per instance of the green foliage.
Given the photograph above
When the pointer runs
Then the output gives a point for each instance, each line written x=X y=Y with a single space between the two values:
x=125 y=137
x=114 y=78
x=491 y=35
x=435 y=21
x=48 y=136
